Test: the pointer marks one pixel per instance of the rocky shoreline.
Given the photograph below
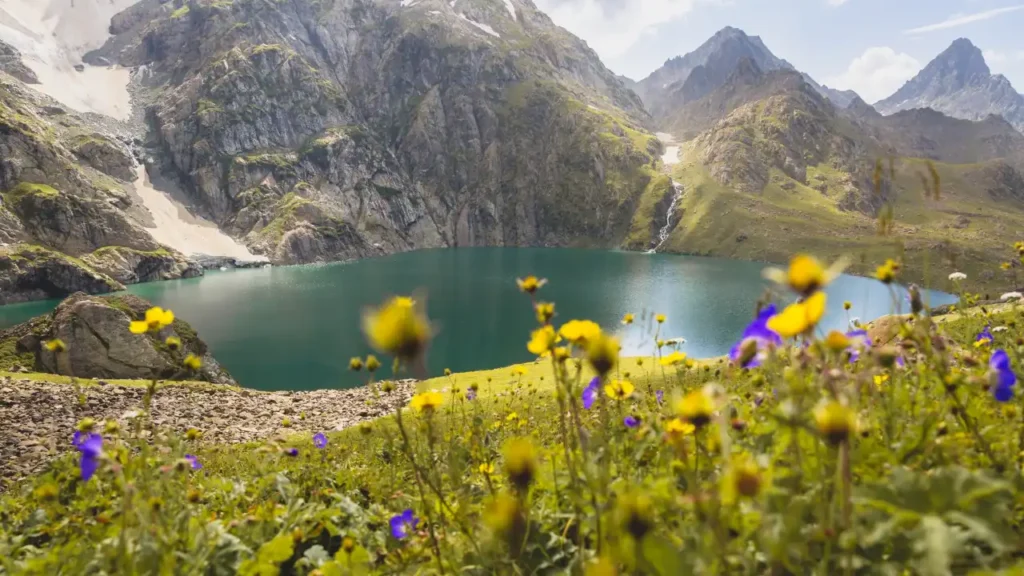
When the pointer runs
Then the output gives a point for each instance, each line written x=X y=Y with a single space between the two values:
x=41 y=415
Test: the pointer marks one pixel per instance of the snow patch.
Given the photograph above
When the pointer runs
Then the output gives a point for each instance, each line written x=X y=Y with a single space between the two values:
x=481 y=26
x=671 y=155
x=409 y=3
x=52 y=36
x=174 y=226
x=434 y=12
x=452 y=3
x=511 y=9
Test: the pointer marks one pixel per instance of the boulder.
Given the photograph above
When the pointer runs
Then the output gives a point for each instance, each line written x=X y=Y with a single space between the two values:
x=30 y=272
x=100 y=345
x=131 y=266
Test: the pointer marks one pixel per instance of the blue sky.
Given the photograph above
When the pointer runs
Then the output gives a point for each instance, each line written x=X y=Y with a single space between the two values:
x=871 y=46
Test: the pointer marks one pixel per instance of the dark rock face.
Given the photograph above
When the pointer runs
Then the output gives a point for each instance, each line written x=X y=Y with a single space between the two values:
x=104 y=155
x=10 y=62
x=959 y=83
x=100 y=345
x=34 y=273
x=133 y=266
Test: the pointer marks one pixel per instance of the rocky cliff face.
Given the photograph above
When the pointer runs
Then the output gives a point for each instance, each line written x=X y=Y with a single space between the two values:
x=330 y=130
x=959 y=83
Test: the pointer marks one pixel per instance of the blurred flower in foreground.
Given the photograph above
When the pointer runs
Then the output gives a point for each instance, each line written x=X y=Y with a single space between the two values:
x=404 y=523
x=91 y=447
x=1001 y=376
x=319 y=440
x=397 y=328
x=752 y=348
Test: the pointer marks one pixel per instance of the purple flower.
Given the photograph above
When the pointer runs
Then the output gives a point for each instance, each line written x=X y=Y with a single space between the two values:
x=1001 y=376
x=590 y=392
x=985 y=334
x=91 y=447
x=196 y=465
x=860 y=342
x=320 y=440
x=660 y=395
x=293 y=452
x=402 y=524
x=470 y=394
x=758 y=332
x=631 y=422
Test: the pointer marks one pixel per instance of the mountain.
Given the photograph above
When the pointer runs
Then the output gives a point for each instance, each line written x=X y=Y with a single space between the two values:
x=684 y=79
x=321 y=131
x=959 y=83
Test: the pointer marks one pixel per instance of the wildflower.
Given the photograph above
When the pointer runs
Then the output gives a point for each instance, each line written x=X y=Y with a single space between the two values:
x=659 y=318
x=90 y=445
x=603 y=353
x=590 y=392
x=635 y=513
x=503 y=515
x=1006 y=265
x=800 y=317
x=984 y=338
x=1001 y=376
x=355 y=364
x=880 y=379
x=696 y=408
x=486 y=468
x=999 y=329
x=55 y=345
x=520 y=462
x=659 y=395
x=320 y=440
x=427 y=401
x=631 y=421
x=560 y=353
x=619 y=389
x=404 y=523
x=156 y=319
x=397 y=328
x=847 y=305
x=545 y=311
x=677 y=428
x=193 y=462
x=627 y=319
x=86 y=425
x=519 y=370
x=471 y=394
x=372 y=364
x=958 y=276
x=835 y=421
x=836 y=341
x=173 y=343
x=1011 y=296
x=111 y=427
x=192 y=362
x=640 y=362
x=579 y=332
x=387 y=386
x=348 y=544
x=673 y=359
x=743 y=478
x=47 y=491
x=541 y=340
x=752 y=348
x=530 y=284
x=293 y=452
x=886 y=273
x=805 y=274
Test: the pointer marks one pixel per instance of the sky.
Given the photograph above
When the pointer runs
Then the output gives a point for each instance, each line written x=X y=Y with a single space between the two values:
x=871 y=46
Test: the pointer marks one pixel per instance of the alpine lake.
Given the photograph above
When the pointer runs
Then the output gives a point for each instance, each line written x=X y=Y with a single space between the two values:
x=295 y=327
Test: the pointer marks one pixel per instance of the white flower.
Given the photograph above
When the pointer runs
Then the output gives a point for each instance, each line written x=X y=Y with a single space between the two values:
x=675 y=341
x=854 y=322
x=1000 y=329
x=1011 y=296
x=957 y=276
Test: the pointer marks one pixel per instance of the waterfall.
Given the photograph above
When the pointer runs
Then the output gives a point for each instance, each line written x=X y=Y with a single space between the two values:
x=677 y=195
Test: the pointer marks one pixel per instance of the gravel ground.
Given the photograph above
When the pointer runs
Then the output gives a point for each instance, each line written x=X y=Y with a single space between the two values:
x=40 y=417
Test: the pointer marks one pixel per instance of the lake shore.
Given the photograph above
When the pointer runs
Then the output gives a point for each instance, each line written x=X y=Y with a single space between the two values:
x=42 y=410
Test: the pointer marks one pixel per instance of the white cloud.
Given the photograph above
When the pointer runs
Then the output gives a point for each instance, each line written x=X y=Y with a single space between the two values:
x=611 y=27
x=1004 y=61
x=961 y=19
x=876 y=73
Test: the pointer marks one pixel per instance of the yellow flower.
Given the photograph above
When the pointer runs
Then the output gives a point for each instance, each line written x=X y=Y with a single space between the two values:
x=1006 y=265
x=627 y=318
x=835 y=421
x=676 y=429
x=604 y=566
x=397 y=328
x=372 y=364
x=519 y=370
x=541 y=340
x=173 y=342
x=696 y=408
x=635 y=513
x=55 y=345
x=619 y=389
x=881 y=379
x=673 y=359
x=743 y=478
x=193 y=362
x=800 y=317
x=886 y=273
x=561 y=353
x=579 y=331
x=447 y=371
x=847 y=305
x=603 y=353
x=836 y=341
x=156 y=319
x=355 y=364
x=659 y=318
x=545 y=311
x=486 y=469
x=530 y=284
x=427 y=401
x=805 y=274
x=511 y=417
x=520 y=462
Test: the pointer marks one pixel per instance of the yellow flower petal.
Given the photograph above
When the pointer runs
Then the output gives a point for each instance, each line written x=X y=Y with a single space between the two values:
x=138 y=327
